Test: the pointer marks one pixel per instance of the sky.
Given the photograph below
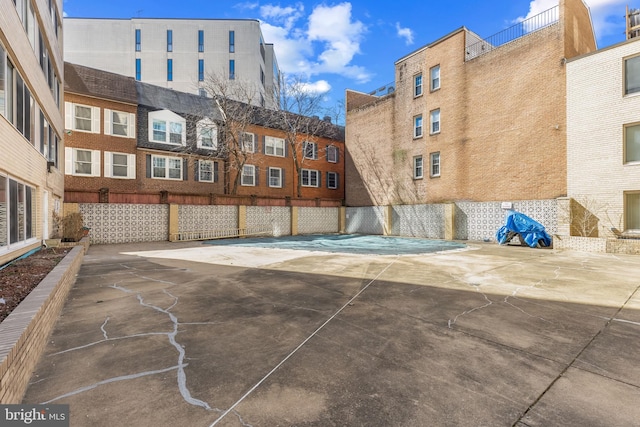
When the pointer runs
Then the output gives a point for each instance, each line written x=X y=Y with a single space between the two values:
x=339 y=45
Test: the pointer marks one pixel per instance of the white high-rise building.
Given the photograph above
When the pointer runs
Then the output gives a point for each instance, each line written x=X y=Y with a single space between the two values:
x=177 y=53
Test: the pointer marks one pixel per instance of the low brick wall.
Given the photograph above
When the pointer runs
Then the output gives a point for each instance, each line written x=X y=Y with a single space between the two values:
x=24 y=333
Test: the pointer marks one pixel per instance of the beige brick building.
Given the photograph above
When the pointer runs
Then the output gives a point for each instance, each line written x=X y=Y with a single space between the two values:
x=470 y=119
x=603 y=135
x=31 y=123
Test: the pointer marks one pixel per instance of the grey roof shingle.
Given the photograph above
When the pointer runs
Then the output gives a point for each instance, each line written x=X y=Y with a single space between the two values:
x=101 y=84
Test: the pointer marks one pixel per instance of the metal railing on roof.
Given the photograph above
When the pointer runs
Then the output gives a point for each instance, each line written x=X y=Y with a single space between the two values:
x=527 y=26
x=384 y=90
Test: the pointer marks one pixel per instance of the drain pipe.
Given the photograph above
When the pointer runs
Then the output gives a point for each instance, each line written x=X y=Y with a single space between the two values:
x=31 y=252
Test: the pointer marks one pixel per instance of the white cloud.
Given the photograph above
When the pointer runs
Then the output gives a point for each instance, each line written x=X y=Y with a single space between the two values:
x=318 y=87
x=405 y=33
x=327 y=44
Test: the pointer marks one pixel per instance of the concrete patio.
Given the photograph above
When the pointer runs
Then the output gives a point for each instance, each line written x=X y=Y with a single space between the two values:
x=196 y=335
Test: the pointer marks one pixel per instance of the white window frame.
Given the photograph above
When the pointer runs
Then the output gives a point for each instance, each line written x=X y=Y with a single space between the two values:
x=418 y=167
x=434 y=78
x=248 y=172
x=209 y=163
x=272 y=145
x=434 y=163
x=278 y=171
x=306 y=177
x=109 y=163
x=335 y=180
x=332 y=154
x=418 y=127
x=417 y=85
x=314 y=150
x=167 y=169
x=71 y=156
x=434 y=118
x=248 y=142
x=170 y=119
x=204 y=126
x=109 y=123
x=70 y=117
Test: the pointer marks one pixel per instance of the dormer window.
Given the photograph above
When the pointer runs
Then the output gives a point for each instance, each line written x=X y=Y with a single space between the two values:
x=167 y=127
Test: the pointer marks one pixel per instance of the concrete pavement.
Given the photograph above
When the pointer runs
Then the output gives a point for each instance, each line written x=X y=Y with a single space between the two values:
x=196 y=335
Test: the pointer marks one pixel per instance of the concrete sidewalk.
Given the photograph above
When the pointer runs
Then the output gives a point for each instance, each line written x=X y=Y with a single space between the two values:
x=196 y=335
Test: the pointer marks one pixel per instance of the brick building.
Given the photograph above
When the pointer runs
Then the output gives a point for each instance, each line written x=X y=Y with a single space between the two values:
x=133 y=142
x=603 y=135
x=31 y=124
x=470 y=119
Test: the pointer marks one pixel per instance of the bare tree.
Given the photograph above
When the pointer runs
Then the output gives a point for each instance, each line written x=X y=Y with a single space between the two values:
x=298 y=119
x=235 y=141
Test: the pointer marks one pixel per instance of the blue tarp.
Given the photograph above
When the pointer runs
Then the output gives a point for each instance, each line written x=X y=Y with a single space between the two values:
x=532 y=232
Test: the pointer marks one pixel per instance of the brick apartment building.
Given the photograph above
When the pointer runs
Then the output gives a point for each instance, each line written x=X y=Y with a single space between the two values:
x=470 y=119
x=31 y=124
x=603 y=136
x=133 y=142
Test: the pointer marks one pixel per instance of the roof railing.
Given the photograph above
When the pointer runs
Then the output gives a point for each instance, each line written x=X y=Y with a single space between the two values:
x=523 y=28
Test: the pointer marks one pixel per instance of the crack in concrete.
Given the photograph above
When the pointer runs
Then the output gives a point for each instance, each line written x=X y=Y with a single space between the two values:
x=110 y=380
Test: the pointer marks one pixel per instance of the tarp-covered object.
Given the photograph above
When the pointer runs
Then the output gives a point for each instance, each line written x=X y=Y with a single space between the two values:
x=532 y=232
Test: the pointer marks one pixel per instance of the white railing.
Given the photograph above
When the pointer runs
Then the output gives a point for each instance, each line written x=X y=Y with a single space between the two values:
x=185 y=236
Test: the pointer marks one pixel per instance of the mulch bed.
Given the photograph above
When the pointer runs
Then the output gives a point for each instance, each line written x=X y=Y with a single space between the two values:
x=19 y=278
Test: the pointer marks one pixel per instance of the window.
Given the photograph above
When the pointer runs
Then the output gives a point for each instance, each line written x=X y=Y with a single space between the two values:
x=138 y=40
x=166 y=167
x=207 y=134
x=632 y=75
x=17 y=212
x=418 y=167
x=82 y=117
x=138 y=69
x=632 y=211
x=169 y=40
x=232 y=69
x=169 y=70
x=435 y=121
x=119 y=165
x=273 y=146
x=332 y=180
x=119 y=123
x=332 y=154
x=435 y=164
x=200 y=40
x=417 y=85
x=262 y=76
x=417 y=126
x=232 y=41
x=310 y=150
x=632 y=144
x=200 y=70
x=82 y=162
x=167 y=127
x=248 y=175
x=248 y=142
x=207 y=171
x=435 y=78
x=310 y=178
x=275 y=177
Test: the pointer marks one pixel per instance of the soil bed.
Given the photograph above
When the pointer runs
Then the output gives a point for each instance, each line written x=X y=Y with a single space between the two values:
x=18 y=279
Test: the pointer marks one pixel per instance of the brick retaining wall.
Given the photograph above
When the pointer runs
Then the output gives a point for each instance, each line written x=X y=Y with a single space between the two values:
x=24 y=333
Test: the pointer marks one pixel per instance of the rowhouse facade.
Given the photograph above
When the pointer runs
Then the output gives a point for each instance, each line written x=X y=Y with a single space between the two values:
x=133 y=142
x=31 y=123
x=470 y=119
x=179 y=54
